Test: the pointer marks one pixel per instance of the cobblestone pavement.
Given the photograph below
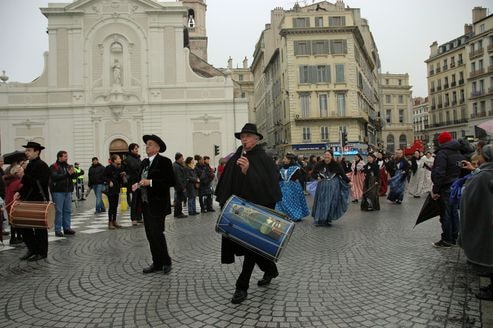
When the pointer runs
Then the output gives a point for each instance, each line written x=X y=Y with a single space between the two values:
x=370 y=269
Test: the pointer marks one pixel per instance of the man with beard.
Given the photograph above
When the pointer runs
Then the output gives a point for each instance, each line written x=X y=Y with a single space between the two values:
x=250 y=174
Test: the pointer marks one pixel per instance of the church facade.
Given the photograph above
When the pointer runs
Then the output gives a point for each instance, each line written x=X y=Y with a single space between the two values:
x=119 y=69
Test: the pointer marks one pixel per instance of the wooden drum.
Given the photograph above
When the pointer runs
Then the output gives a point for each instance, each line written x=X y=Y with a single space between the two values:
x=29 y=214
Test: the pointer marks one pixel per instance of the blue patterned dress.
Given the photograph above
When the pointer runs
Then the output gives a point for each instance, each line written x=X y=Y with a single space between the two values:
x=293 y=202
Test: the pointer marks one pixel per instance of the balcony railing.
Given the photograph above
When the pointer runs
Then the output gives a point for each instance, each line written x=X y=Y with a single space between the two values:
x=432 y=72
x=460 y=62
x=452 y=65
x=453 y=84
x=445 y=67
x=462 y=101
x=438 y=70
x=476 y=73
x=440 y=106
x=445 y=86
x=477 y=93
x=433 y=107
x=454 y=102
x=476 y=53
x=490 y=48
x=478 y=115
x=446 y=104
x=439 y=88
x=432 y=90
x=490 y=68
x=461 y=81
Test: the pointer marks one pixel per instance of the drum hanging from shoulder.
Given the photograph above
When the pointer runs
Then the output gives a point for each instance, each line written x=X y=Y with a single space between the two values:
x=255 y=227
x=30 y=214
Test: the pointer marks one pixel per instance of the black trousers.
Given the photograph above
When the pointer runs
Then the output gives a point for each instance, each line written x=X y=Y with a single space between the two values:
x=36 y=240
x=113 y=206
x=252 y=258
x=154 y=228
x=135 y=212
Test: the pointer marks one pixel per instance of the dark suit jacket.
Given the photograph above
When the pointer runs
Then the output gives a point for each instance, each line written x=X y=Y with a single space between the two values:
x=162 y=176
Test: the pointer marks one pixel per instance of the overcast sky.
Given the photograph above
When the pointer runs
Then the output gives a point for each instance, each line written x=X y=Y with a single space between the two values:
x=402 y=29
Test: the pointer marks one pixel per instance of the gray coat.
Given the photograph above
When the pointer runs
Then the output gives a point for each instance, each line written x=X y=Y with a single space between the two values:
x=476 y=214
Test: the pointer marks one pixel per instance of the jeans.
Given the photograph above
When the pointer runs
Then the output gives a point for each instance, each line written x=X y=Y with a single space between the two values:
x=99 y=198
x=449 y=219
x=63 y=204
x=192 y=208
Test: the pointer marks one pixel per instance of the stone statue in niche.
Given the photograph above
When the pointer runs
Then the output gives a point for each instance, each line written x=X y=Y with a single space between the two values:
x=117 y=72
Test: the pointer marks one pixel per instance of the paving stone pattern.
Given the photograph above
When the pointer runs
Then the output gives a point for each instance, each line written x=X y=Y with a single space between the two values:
x=370 y=269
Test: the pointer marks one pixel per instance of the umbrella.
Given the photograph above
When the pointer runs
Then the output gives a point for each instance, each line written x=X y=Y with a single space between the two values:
x=15 y=156
x=487 y=126
x=430 y=209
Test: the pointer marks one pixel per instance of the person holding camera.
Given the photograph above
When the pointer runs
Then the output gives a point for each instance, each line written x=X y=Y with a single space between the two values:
x=447 y=167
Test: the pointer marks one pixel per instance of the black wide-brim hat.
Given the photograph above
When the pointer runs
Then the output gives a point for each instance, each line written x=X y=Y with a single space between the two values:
x=249 y=128
x=14 y=157
x=159 y=141
x=34 y=145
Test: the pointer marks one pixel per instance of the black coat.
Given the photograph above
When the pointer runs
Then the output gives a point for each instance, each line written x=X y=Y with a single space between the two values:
x=96 y=175
x=445 y=167
x=36 y=170
x=260 y=186
x=61 y=180
x=131 y=166
x=163 y=178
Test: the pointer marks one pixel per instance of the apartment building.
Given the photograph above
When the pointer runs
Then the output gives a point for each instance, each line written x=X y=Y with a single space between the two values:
x=397 y=132
x=315 y=72
x=420 y=119
x=460 y=79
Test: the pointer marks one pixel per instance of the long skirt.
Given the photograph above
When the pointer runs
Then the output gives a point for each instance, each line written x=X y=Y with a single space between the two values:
x=358 y=180
x=397 y=186
x=293 y=202
x=370 y=201
x=331 y=200
x=415 y=186
x=384 y=181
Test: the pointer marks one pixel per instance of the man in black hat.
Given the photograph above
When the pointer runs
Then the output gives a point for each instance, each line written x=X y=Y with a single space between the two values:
x=157 y=177
x=35 y=188
x=250 y=174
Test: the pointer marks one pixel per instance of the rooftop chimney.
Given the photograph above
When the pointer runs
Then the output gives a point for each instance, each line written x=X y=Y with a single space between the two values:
x=245 y=62
x=478 y=13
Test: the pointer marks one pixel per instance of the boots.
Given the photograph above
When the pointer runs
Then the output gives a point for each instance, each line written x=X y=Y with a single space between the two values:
x=111 y=226
x=116 y=225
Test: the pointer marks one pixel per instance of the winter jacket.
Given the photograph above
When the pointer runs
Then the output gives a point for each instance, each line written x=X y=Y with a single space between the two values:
x=96 y=175
x=61 y=180
x=446 y=168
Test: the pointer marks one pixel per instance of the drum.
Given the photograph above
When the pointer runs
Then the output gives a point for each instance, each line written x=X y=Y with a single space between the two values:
x=27 y=214
x=256 y=227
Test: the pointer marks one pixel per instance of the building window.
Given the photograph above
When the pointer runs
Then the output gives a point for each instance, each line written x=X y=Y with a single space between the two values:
x=320 y=47
x=390 y=143
x=306 y=134
x=191 y=19
x=400 y=82
x=305 y=74
x=341 y=104
x=301 y=22
x=305 y=104
x=338 y=46
x=388 y=99
x=319 y=21
x=240 y=77
x=337 y=21
x=243 y=95
x=323 y=74
x=324 y=133
x=323 y=105
x=388 y=116
x=302 y=48
x=340 y=73
x=402 y=141
x=401 y=99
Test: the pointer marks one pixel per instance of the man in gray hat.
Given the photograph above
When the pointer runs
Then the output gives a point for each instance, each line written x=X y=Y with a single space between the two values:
x=157 y=178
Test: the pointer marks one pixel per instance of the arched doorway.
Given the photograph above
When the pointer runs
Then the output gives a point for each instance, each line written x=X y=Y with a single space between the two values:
x=402 y=141
x=390 y=143
x=120 y=147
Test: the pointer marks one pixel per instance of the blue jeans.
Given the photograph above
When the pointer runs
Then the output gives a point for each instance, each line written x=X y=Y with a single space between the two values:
x=450 y=218
x=63 y=204
x=99 y=198
x=192 y=208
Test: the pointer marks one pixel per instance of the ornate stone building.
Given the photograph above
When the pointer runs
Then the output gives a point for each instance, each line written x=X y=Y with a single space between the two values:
x=397 y=131
x=421 y=120
x=116 y=70
x=315 y=73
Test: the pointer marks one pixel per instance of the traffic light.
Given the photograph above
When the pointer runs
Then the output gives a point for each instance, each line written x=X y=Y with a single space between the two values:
x=216 y=150
x=344 y=138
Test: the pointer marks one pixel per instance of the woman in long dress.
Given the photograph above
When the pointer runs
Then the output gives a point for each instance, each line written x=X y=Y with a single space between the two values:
x=370 y=201
x=293 y=202
x=357 y=177
x=427 y=161
x=415 y=187
x=332 y=193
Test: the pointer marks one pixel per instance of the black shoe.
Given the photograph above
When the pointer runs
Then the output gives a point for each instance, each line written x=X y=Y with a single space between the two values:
x=27 y=256
x=15 y=241
x=398 y=202
x=59 y=234
x=166 y=269
x=266 y=279
x=36 y=257
x=152 y=269
x=442 y=244
x=211 y=210
x=193 y=213
x=354 y=201
x=69 y=232
x=239 y=296
x=203 y=211
x=181 y=216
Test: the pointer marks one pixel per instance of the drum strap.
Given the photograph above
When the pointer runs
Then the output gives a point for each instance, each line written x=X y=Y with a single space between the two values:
x=41 y=190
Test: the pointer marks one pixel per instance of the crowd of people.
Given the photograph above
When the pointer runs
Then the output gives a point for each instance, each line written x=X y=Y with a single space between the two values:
x=457 y=176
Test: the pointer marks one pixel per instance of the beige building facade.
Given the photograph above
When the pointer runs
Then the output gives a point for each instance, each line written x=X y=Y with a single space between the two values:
x=460 y=79
x=117 y=70
x=315 y=72
x=397 y=132
x=421 y=119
